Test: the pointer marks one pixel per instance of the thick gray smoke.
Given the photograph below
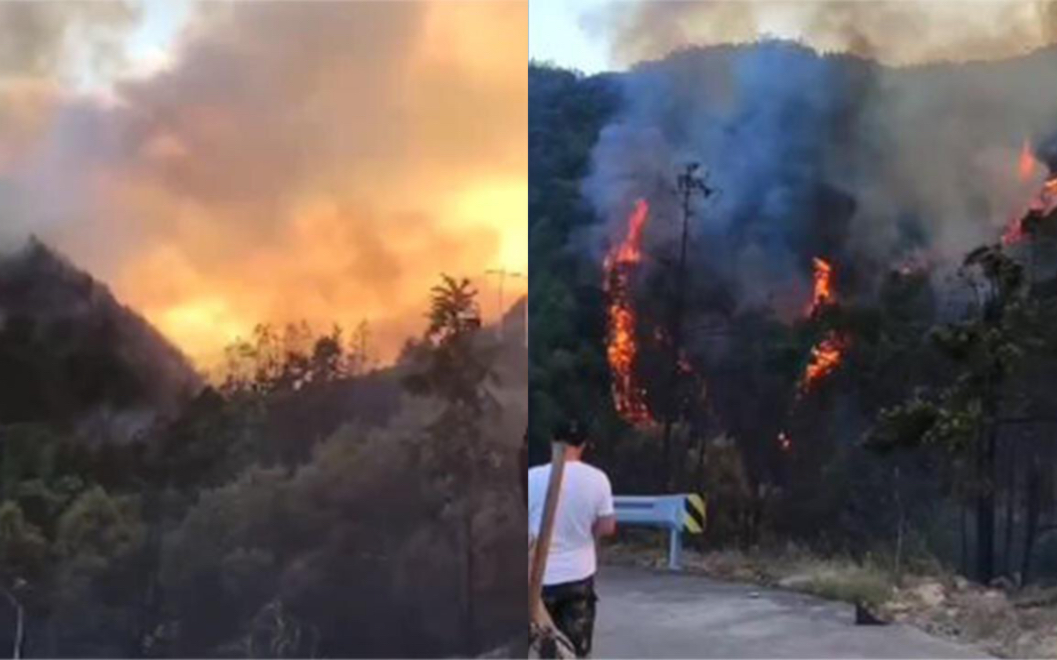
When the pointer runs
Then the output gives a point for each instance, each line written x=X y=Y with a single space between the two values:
x=895 y=32
x=40 y=38
x=832 y=156
x=262 y=172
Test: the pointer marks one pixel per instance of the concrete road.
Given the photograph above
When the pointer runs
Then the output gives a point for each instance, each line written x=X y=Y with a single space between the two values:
x=653 y=614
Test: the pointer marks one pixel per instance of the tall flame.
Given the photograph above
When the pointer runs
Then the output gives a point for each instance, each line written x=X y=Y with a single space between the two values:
x=628 y=396
x=1042 y=204
x=827 y=354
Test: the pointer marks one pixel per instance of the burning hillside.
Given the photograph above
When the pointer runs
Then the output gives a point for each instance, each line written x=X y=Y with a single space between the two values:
x=826 y=355
x=622 y=348
x=831 y=155
x=869 y=296
x=1042 y=205
x=813 y=155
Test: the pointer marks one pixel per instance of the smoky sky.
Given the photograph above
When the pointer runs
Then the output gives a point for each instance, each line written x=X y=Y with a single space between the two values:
x=835 y=155
x=896 y=32
x=324 y=161
x=37 y=39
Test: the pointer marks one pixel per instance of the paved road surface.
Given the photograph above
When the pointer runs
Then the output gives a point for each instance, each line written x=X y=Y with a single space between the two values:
x=654 y=614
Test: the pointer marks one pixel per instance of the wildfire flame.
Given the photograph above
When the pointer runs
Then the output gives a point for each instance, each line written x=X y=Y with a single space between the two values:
x=1027 y=162
x=1043 y=204
x=826 y=355
x=823 y=293
x=620 y=263
x=825 y=358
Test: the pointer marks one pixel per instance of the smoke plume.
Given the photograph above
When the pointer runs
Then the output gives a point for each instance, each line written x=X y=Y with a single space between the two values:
x=45 y=39
x=895 y=32
x=323 y=161
x=834 y=156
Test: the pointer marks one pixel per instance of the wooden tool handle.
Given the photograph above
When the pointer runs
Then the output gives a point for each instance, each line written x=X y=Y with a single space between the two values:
x=543 y=541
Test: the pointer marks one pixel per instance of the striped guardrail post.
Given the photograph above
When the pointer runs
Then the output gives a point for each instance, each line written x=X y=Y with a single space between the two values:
x=686 y=512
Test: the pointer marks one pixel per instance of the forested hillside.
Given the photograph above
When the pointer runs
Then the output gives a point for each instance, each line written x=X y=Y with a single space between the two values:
x=568 y=371
x=900 y=411
x=311 y=504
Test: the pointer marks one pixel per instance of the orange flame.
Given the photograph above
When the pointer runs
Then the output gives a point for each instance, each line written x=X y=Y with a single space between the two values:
x=825 y=358
x=628 y=396
x=826 y=355
x=1027 y=162
x=823 y=293
x=1044 y=203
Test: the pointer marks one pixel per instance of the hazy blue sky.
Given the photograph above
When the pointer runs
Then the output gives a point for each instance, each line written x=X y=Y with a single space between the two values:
x=147 y=47
x=558 y=34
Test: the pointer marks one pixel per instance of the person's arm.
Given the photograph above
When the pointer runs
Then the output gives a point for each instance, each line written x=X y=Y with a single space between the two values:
x=606 y=519
x=535 y=507
x=605 y=526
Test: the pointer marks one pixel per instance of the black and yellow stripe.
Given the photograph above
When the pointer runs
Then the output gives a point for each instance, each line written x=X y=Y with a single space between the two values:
x=695 y=514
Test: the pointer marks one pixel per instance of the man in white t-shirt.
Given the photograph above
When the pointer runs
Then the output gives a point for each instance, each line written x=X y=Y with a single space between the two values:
x=584 y=514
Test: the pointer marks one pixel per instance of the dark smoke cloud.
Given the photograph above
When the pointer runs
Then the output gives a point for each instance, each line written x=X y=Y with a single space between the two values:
x=896 y=32
x=834 y=156
x=295 y=160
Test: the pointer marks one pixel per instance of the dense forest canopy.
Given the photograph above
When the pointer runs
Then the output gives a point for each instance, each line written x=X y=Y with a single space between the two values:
x=310 y=504
x=932 y=344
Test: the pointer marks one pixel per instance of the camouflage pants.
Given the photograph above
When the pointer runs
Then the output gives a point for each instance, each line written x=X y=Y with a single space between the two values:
x=572 y=607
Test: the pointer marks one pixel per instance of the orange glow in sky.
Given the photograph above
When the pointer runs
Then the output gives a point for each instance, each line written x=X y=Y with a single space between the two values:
x=315 y=161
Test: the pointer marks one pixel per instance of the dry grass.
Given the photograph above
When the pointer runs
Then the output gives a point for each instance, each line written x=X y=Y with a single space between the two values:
x=790 y=568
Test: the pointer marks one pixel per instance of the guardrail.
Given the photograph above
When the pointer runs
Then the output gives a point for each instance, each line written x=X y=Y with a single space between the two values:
x=676 y=513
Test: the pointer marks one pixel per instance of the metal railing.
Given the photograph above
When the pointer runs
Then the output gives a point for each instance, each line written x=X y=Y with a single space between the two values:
x=675 y=513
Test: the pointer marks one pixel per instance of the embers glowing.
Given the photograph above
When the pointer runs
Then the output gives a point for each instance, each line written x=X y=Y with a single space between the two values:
x=621 y=349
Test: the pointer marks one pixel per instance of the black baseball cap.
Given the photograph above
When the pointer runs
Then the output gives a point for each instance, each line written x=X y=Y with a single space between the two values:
x=572 y=432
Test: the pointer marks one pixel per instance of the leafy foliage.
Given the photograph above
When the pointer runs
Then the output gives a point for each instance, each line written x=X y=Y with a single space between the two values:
x=568 y=373
x=303 y=507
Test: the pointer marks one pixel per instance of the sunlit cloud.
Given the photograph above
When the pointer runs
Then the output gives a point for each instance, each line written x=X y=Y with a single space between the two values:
x=272 y=162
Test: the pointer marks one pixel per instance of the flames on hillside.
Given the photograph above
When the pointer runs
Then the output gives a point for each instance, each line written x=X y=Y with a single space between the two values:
x=826 y=355
x=620 y=264
x=822 y=293
x=622 y=346
x=1041 y=205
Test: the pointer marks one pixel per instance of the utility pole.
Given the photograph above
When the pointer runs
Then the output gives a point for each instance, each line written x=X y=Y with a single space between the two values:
x=502 y=274
x=688 y=184
x=16 y=650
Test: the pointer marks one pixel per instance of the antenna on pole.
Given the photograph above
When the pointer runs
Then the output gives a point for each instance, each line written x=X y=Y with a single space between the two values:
x=502 y=274
x=688 y=184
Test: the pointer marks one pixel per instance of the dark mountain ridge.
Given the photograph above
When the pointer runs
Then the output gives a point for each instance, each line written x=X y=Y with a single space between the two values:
x=69 y=348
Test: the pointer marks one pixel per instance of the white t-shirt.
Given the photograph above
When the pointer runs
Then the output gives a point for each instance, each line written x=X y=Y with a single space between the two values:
x=585 y=496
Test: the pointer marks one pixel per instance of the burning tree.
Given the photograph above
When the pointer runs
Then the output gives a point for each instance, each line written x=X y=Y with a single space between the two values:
x=1042 y=205
x=667 y=391
x=622 y=345
x=796 y=377
x=826 y=355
